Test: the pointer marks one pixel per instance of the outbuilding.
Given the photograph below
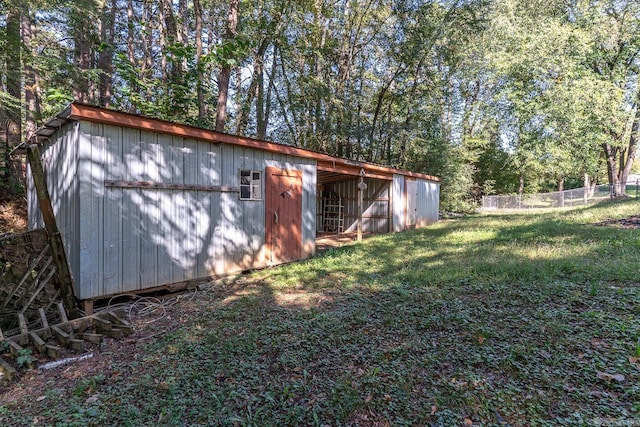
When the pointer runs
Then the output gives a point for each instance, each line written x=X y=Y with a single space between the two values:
x=143 y=203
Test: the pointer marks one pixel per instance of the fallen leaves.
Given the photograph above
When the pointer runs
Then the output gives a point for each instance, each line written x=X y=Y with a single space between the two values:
x=610 y=377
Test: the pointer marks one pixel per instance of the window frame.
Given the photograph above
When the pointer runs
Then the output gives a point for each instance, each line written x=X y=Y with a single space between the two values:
x=254 y=184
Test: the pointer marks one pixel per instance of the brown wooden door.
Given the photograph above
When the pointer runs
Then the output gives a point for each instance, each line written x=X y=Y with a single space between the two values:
x=283 y=234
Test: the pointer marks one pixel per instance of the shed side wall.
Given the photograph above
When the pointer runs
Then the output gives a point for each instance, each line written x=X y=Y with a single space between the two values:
x=60 y=162
x=134 y=238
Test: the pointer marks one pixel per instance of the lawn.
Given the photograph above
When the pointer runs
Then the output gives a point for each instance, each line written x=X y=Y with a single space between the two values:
x=520 y=319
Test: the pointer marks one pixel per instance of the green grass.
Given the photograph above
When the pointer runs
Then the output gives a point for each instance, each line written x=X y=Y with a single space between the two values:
x=521 y=318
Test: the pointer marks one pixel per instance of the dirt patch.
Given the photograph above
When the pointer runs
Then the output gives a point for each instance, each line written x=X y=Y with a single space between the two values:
x=630 y=222
x=13 y=215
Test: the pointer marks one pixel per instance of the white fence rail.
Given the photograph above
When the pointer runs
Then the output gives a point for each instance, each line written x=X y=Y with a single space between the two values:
x=558 y=199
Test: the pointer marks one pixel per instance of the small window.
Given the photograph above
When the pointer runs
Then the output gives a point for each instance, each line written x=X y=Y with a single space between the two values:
x=250 y=185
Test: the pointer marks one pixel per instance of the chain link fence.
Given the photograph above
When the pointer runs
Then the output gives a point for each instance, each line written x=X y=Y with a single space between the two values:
x=558 y=199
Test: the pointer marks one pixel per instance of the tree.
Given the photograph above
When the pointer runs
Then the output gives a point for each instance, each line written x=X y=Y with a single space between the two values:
x=227 y=62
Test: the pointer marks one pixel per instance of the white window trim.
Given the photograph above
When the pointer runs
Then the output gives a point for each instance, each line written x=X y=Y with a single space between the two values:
x=252 y=184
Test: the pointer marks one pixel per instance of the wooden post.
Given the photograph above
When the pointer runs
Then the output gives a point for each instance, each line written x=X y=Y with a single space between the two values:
x=55 y=239
x=361 y=187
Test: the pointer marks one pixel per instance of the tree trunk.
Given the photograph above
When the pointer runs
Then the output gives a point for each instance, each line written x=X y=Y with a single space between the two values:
x=12 y=117
x=14 y=75
x=197 y=11
x=105 y=56
x=131 y=53
x=81 y=85
x=521 y=185
x=183 y=29
x=164 y=44
x=260 y=107
x=82 y=52
x=293 y=127
x=611 y=154
x=171 y=74
x=632 y=147
x=252 y=93
x=147 y=41
x=31 y=84
x=585 y=194
x=182 y=36
x=263 y=120
x=225 y=70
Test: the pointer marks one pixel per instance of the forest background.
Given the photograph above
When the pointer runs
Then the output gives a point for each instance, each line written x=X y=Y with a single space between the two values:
x=496 y=97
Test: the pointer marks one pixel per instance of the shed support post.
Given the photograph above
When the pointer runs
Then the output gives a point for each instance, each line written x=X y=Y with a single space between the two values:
x=55 y=239
x=361 y=187
x=360 y=211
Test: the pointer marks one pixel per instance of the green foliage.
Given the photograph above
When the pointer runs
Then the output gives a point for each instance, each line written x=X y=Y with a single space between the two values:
x=24 y=358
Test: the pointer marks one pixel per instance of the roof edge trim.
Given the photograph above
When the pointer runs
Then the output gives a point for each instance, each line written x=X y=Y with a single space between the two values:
x=80 y=111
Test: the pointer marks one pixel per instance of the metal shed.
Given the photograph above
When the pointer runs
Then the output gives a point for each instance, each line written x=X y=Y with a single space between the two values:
x=143 y=203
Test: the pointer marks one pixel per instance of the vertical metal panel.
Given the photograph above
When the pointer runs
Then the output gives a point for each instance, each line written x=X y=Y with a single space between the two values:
x=131 y=218
x=427 y=202
x=196 y=210
x=158 y=216
x=309 y=217
x=202 y=223
x=113 y=199
x=71 y=234
x=151 y=156
x=229 y=205
x=398 y=203
x=91 y=175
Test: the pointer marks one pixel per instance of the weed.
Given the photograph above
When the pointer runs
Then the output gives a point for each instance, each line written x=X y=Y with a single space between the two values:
x=86 y=386
x=24 y=358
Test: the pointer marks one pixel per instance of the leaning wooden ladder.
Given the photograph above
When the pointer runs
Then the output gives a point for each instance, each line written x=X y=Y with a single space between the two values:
x=29 y=293
x=333 y=215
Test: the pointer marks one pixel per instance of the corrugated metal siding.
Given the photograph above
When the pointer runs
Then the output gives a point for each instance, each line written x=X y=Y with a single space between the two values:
x=133 y=239
x=427 y=202
x=375 y=204
x=60 y=161
x=398 y=203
